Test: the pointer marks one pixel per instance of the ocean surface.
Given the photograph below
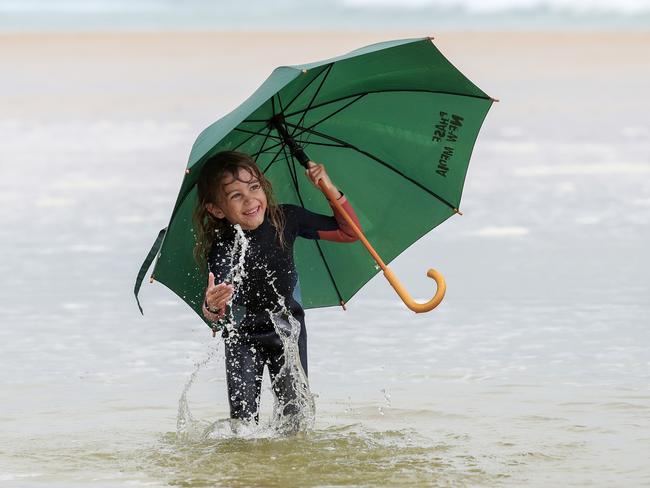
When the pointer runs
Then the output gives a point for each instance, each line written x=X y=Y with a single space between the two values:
x=534 y=371
x=92 y=15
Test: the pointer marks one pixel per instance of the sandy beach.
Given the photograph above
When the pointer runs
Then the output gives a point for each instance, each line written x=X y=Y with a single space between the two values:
x=533 y=372
x=191 y=75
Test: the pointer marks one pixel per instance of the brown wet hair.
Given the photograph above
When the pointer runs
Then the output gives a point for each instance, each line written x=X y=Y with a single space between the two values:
x=210 y=189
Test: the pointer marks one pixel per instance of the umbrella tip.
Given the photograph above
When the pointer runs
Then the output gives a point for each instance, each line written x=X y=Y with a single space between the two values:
x=343 y=305
x=431 y=38
x=187 y=171
x=458 y=211
x=152 y=279
x=304 y=71
x=494 y=99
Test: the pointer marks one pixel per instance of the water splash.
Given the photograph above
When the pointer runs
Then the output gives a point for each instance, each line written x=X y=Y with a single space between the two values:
x=387 y=404
x=297 y=412
x=237 y=274
x=186 y=426
x=293 y=413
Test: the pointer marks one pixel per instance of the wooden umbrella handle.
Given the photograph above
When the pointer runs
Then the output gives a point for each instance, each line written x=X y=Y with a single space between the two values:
x=388 y=273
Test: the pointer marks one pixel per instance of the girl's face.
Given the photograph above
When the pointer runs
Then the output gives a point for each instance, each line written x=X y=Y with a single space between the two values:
x=241 y=200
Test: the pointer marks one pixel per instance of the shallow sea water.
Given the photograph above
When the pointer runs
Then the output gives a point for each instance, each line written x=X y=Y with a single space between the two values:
x=534 y=370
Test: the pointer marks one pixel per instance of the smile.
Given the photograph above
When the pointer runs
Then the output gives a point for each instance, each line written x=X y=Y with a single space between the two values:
x=252 y=212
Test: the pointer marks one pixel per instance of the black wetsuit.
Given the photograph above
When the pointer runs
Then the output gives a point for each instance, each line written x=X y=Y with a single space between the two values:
x=269 y=271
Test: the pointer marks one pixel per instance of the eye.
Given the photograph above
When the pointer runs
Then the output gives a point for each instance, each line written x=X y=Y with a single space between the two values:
x=255 y=187
x=235 y=195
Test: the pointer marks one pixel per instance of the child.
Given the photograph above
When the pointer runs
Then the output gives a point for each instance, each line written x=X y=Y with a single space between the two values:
x=233 y=191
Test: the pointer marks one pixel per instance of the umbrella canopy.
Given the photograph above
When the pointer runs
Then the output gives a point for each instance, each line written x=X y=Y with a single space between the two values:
x=394 y=123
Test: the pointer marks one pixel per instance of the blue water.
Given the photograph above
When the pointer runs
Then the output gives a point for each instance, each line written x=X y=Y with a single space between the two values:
x=38 y=15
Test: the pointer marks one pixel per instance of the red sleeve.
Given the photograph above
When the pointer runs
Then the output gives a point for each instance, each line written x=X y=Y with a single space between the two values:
x=344 y=233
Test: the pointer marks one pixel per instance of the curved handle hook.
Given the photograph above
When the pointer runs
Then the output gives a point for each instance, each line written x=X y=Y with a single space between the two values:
x=406 y=296
x=392 y=279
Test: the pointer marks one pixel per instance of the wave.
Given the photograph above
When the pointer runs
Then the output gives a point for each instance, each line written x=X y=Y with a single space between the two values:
x=293 y=14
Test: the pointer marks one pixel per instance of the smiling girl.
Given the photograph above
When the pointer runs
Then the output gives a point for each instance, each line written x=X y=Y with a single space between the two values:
x=232 y=191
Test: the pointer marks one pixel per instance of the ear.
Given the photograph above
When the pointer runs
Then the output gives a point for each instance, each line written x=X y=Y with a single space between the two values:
x=215 y=211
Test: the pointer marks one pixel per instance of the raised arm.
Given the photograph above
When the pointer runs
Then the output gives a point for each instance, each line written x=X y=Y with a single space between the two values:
x=216 y=298
x=317 y=226
x=218 y=291
x=344 y=232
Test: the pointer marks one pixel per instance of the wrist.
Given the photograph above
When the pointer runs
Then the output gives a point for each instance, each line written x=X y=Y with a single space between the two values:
x=210 y=309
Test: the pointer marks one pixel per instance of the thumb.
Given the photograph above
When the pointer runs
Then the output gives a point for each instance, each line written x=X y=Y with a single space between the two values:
x=211 y=280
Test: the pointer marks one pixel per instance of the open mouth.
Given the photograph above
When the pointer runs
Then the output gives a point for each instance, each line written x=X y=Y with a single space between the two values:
x=252 y=212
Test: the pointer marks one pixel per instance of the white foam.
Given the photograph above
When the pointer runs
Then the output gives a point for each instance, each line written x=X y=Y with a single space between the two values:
x=584 y=169
x=634 y=131
x=89 y=248
x=566 y=187
x=513 y=231
x=17 y=476
x=85 y=183
x=512 y=147
x=131 y=219
x=74 y=306
x=512 y=132
x=589 y=219
x=496 y=6
x=54 y=202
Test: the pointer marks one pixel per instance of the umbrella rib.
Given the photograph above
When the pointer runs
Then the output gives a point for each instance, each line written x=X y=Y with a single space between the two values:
x=331 y=115
x=281 y=144
x=261 y=149
x=292 y=173
x=315 y=124
x=306 y=86
x=266 y=137
x=311 y=102
x=370 y=92
x=320 y=250
x=249 y=138
x=304 y=144
x=437 y=92
x=380 y=161
x=253 y=134
x=273 y=160
x=258 y=133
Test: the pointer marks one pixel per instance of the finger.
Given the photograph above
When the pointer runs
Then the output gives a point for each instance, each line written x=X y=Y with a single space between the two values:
x=210 y=280
x=222 y=289
x=315 y=173
x=222 y=301
x=315 y=169
x=221 y=292
x=214 y=290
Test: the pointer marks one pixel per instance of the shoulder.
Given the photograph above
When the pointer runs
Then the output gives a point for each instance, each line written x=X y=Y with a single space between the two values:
x=288 y=207
x=292 y=216
x=294 y=213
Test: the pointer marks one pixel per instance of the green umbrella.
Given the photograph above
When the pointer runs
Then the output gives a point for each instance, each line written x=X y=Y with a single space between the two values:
x=395 y=123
